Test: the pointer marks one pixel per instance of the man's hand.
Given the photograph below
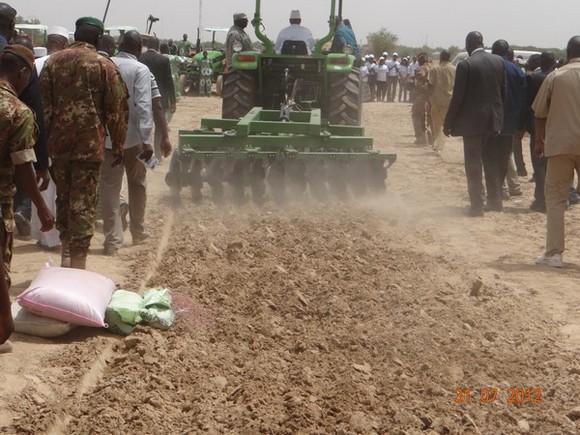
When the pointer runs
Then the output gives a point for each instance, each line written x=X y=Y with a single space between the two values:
x=44 y=175
x=172 y=107
x=46 y=219
x=539 y=147
x=166 y=147
x=447 y=131
x=118 y=159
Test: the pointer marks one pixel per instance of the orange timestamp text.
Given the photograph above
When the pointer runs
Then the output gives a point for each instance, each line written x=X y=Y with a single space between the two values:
x=513 y=395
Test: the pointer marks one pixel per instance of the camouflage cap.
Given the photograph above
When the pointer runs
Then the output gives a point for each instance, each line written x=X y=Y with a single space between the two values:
x=240 y=16
x=92 y=21
x=21 y=52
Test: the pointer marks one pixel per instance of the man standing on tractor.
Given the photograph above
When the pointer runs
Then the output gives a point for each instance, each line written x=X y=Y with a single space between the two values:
x=237 y=39
x=295 y=32
x=184 y=46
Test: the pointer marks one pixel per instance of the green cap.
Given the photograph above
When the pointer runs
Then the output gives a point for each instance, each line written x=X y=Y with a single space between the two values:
x=92 y=21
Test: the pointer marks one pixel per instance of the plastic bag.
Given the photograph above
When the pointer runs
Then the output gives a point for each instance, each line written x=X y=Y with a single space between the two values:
x=156 y=311
x=127 y=305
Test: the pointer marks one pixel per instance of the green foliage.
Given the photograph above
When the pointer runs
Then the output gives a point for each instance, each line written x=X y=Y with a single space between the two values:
x=382 y=41
x=21 y=20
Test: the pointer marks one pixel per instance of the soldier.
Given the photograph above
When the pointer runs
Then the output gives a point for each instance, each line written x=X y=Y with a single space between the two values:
x=17 y=137
x=419 y=109
x=237 y=39
x=80 y=110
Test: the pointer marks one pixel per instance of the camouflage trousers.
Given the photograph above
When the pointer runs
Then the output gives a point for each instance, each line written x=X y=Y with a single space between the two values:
x=7 y=239
x=77 y=186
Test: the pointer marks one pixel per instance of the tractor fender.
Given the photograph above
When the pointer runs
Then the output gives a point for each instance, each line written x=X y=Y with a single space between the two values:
x=339 y=63
x=246 y=60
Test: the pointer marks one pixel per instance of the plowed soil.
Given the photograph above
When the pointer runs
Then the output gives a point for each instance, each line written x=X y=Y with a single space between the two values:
x=390 y=315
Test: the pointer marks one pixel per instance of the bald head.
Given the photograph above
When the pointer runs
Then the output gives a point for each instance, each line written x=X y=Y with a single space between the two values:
x=573 y=47
x=24 y=41
x=500 y=47
x=107 y=44
x=473 y=40
x=132 y=43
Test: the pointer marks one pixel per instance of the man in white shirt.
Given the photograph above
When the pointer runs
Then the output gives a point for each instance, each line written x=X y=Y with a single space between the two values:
x=392 y=77
x=137 y=77
x=295 y=32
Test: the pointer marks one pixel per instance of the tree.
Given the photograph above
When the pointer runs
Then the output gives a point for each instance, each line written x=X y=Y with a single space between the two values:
x=382 y=41
x=21 y=20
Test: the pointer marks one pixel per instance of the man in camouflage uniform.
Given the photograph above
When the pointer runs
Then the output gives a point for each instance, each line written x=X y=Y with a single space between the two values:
x=419 y=112
x=17 y=137
x=84 y=99
x=237 y=37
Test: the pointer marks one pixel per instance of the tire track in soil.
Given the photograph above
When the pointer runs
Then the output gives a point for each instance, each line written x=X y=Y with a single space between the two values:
x=97 y=368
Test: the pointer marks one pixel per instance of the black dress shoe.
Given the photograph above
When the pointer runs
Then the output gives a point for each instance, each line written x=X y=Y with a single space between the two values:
x=475 y=212
x=494 y=207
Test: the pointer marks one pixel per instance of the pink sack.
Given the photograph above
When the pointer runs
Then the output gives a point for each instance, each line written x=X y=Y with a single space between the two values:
x=76 y=296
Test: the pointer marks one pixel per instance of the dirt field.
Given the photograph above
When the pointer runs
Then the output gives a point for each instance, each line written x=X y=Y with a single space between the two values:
x=359 y=317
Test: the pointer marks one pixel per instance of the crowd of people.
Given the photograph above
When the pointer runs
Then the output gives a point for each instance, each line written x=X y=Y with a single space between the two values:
x=493 y=103
x=492 y=100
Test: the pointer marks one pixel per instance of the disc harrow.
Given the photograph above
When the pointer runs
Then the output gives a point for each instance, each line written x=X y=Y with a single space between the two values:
x=286 y=158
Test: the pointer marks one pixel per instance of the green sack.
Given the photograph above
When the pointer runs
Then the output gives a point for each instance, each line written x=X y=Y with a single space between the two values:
x=156 y=311
x=127 y=305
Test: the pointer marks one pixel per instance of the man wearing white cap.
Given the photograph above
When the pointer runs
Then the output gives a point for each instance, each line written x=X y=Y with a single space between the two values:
x=237 y=39
x=56 y=40
x=295 y=32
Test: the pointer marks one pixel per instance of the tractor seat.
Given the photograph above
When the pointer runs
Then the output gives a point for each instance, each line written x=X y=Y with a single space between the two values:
x=297 y=48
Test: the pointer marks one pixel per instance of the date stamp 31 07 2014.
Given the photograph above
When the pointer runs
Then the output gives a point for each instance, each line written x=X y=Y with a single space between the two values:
x=512 y=395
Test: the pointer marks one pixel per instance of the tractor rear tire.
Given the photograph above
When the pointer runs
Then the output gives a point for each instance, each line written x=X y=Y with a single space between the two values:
x=345 y=102
x=219 y=85
x=238 y=94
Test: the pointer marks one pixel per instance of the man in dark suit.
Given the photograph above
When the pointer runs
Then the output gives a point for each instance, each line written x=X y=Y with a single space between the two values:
x=476 y=113
x=161 y=70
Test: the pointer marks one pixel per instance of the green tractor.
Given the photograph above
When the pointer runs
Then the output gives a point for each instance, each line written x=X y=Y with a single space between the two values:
x=328 y=81
x=189 y=69
x=291 y=120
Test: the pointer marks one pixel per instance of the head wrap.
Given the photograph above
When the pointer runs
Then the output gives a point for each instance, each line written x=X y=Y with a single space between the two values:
x=240 y=16
x=295 y=15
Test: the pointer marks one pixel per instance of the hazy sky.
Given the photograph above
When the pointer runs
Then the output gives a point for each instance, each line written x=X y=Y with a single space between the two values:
x=434 y=22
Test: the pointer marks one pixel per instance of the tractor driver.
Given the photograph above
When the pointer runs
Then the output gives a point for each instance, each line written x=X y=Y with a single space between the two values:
x=295 y=32
x=237 y=39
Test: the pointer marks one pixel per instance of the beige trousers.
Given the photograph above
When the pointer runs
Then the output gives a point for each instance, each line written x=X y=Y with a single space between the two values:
x=437 y=117
x=559 y=177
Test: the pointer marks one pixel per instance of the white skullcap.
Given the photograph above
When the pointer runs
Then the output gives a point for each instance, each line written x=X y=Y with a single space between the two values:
x=385 y=54
x=396 y=54
x=295 y=15
x=57 y=30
